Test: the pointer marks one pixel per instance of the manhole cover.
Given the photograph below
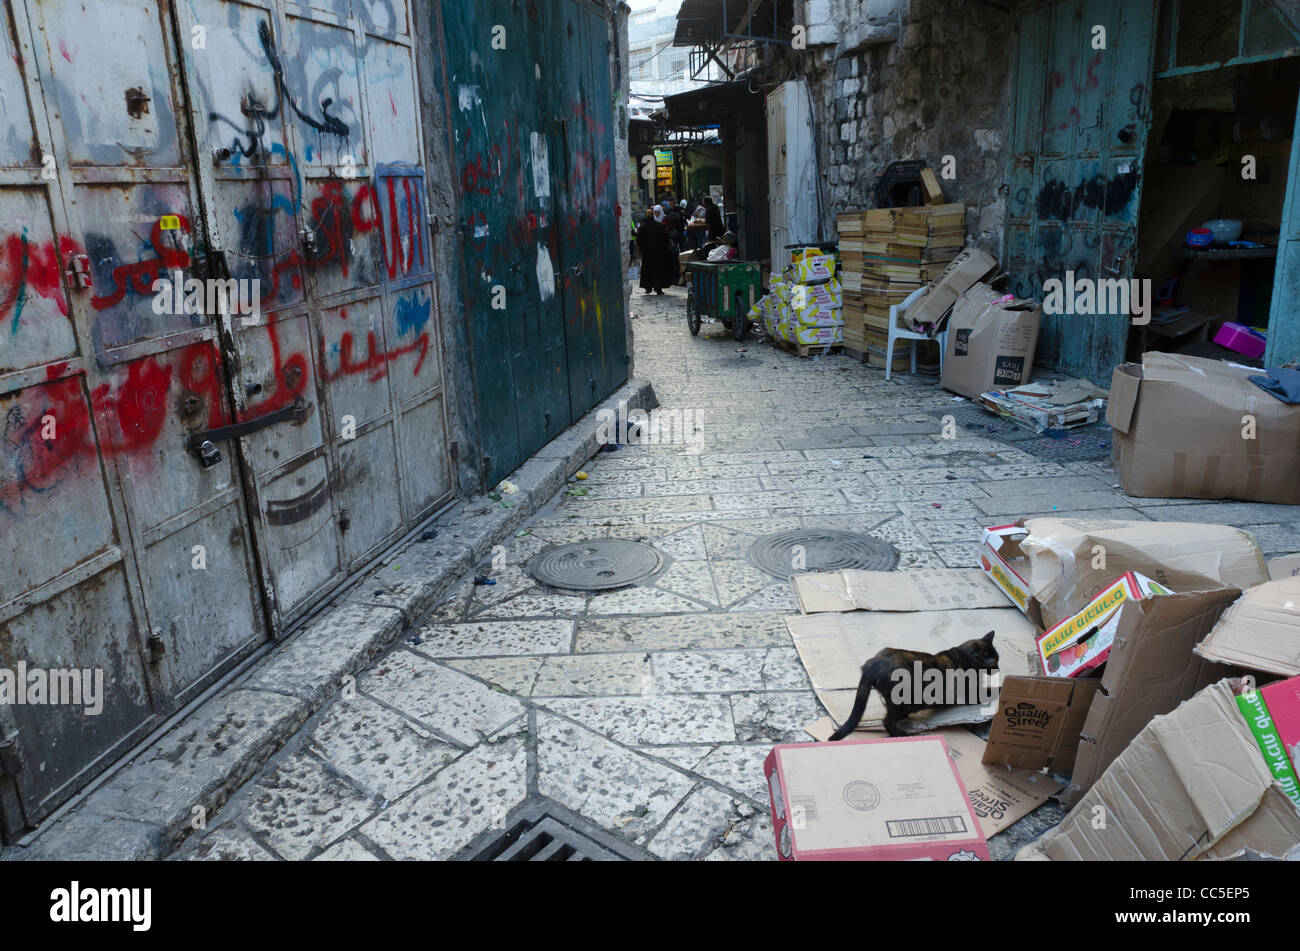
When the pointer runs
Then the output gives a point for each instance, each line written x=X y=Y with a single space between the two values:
x=595 y=565
x=821 y=549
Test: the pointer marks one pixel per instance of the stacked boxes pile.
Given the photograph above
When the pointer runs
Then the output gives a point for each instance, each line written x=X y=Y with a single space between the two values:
x=804 y=307
x=886 y=254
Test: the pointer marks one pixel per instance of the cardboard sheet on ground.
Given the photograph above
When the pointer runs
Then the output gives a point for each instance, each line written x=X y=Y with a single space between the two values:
x=999 y=796
x=1261 y=631
x=1288 y=566
x=942 y=589
x=833 y=648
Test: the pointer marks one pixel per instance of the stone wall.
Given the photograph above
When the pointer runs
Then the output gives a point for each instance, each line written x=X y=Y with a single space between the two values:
x=912 y=79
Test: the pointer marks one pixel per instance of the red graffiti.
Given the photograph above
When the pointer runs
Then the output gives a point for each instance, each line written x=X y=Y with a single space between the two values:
x=38 y=268
x=141 y=276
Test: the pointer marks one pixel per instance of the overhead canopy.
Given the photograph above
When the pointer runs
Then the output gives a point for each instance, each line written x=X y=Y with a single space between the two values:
x=713 y=22
x=706 y=106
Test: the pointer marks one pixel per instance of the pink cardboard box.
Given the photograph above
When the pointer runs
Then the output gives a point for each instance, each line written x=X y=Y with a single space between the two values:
x=887 y=799
x=1241 y=339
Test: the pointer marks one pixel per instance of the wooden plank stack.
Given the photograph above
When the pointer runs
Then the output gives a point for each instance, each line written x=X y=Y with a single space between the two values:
x=886 y=254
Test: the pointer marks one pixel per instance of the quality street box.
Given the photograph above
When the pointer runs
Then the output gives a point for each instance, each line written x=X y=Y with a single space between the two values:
x=1038 y=723
x=1082 y=642
x=887 y=799
x=1186 y=427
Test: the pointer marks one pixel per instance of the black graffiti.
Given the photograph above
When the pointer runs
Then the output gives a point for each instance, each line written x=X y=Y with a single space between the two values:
x=257 y=113
x=1056 y=200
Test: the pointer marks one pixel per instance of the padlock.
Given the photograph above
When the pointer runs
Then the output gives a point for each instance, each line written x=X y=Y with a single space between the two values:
x=209 y=454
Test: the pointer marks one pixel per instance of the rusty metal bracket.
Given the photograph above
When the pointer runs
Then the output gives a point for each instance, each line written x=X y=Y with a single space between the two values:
x=295 y=412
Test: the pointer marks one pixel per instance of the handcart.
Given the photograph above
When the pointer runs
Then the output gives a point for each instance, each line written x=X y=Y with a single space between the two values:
x=722 y=289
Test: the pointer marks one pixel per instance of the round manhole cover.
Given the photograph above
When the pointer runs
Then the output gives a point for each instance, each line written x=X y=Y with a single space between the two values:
x=595 y=565
x=821 y=549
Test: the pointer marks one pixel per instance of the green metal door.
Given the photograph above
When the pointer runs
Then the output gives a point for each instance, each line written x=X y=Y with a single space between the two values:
x=1283 y=323
x=495 y=54
x=590 y=279
x=530 y=112
x=1078 y=140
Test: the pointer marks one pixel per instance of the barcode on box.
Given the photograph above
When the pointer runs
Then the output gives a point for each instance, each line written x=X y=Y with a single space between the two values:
x=808 y=804
x=941 y=825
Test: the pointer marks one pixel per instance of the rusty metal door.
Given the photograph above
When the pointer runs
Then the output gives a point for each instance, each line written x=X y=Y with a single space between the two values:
x=1079 y=131
x=131 y=557
x=178 y=482
x=307 y=126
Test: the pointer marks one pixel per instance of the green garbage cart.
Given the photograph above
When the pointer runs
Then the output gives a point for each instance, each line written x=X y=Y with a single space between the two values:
x=722 y=289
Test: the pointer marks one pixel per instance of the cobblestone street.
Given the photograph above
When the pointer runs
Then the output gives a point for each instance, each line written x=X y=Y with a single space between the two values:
x=649 y=710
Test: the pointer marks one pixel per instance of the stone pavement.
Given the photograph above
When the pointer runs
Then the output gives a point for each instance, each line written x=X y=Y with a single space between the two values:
x=648 y=710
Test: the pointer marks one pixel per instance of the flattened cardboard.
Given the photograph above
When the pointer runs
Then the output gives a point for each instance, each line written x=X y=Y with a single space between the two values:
x=833 y=648
x=1038 y=722
x=1288 y=566
x=884 y=799
x=969 y=267
x=999 y=796
x=1161 y=802
x=1151 y=669
x=1069 y=561
x=935 y=590
x=1179 y=432
x=991 y=341
x=1261 y=631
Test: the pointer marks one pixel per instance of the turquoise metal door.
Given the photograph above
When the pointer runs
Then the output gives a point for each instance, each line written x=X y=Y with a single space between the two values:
x=531 y=123
x=590 y=248
x=1283 y=323
x=1078 y=140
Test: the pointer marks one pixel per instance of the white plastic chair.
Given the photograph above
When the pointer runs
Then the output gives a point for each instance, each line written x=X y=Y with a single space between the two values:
x=897 y=331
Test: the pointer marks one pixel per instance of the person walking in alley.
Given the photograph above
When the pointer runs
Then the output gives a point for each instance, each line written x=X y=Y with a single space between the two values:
x=713 y=216
x=652 y=240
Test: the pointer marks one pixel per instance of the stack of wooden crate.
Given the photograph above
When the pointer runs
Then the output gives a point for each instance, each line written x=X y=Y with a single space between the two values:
x=886 y=254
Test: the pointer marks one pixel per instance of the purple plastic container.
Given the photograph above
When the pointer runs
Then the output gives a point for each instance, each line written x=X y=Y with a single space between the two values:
x=1241 y=339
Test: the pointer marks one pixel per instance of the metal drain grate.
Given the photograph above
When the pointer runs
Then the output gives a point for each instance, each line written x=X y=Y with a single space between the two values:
x=544 y=831
x=595 y=565
x=784 y=554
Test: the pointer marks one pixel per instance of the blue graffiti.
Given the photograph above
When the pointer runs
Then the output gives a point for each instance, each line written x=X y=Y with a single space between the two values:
x=412 y=314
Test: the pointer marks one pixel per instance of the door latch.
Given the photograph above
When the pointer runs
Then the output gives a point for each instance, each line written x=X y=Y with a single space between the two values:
x=78 y=270
x=202 y=444
x=1114 y=266
x=157 y=647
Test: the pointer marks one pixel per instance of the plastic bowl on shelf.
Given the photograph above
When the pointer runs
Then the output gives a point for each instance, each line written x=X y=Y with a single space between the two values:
x=1224 y=229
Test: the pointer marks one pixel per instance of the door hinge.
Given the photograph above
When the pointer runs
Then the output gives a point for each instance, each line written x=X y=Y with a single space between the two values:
x=78 y=270
x=157 y=647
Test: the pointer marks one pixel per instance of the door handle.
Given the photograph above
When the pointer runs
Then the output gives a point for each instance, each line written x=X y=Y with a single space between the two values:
x=203 y=444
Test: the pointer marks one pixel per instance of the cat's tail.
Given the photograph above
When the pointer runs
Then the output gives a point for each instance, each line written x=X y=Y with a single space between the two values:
x=855 y=716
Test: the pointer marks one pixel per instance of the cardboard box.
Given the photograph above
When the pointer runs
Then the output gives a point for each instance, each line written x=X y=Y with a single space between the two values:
x=966 y=269
x=1038 y=722
x=1180 y=426
x=1276 y=728
x=999 y=796
x=1161 y=801
x=833 y=648
x=1150 y=670
x=1287 y=566
x=888 y=799
x=1003 y=561
x=937 y=589
x=1052 y=567
x=991 y=341
x=1261 y=631
x=1082 y=642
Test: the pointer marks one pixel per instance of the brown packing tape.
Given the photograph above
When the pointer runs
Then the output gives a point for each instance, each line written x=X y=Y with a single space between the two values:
x=1254 y=465
x=1178 y=475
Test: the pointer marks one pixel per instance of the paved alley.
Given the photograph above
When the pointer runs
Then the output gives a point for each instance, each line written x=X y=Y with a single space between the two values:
x=649 y=710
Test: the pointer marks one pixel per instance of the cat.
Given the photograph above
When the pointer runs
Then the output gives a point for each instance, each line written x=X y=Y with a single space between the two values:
x=878 y=674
